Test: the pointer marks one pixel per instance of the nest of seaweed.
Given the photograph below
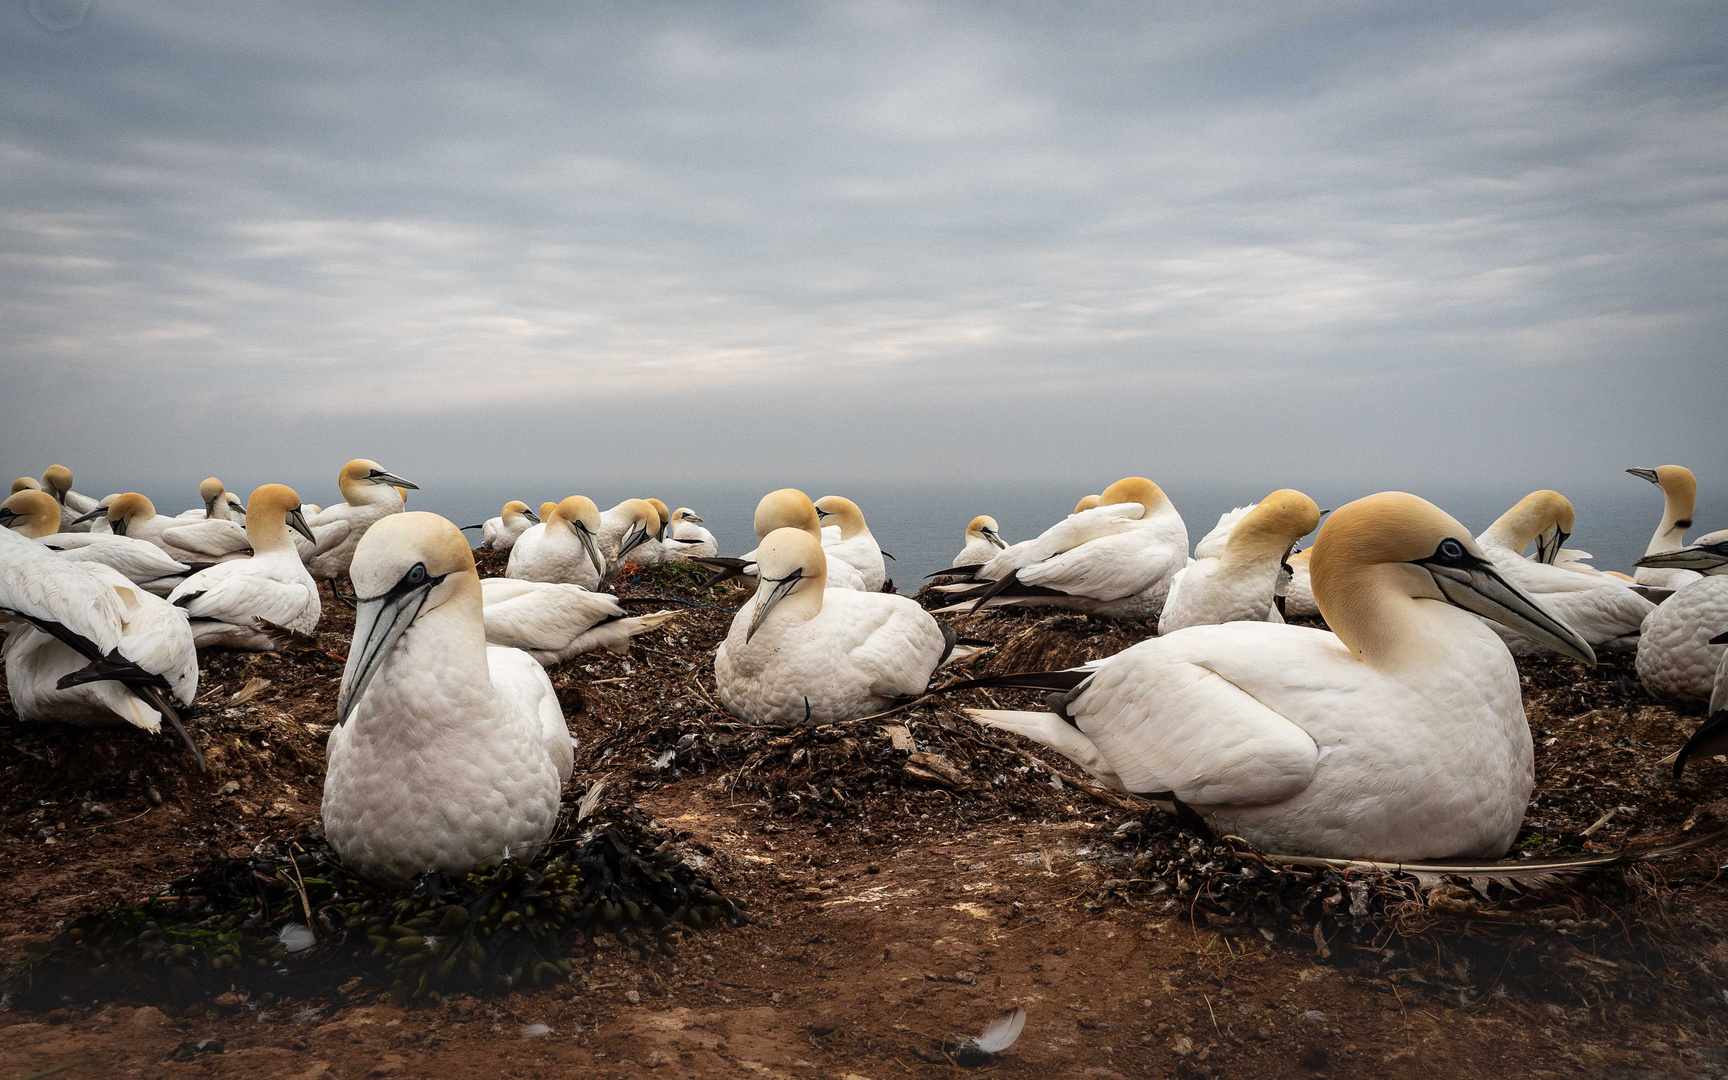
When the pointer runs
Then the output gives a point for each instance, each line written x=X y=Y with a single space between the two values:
x=1628 y=933
x=292 y=920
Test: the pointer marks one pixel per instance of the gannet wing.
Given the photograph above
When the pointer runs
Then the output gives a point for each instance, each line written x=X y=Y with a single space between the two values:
x=1213 y=543
x=547 y=618
x=139 y=560
x=227 y=593
x=899 y=644
x=1108 y=568
x=214 y=537
x=52 y=591
x=524 y=689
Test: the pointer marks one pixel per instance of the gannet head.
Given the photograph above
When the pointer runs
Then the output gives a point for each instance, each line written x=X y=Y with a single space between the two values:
x=644 y=524
x=26 y=483
x=405 y=567
x=665 y=517
x=1395 y=544
x=983 y=527
x=1543 y=516
x=789 y=563
x=33 y=513
x=578 y=514
x=1090 y=502
x=127 y=509
x=684 y=513
x=787 y=508
x=210 y=489
x=1676 y=481
x=1708 y=555
x=1134 y=489
x=273 y=506
x=359 y=475
x=236 y=508
x=1272 y=528
x=57 y=481
x=841 y=511
x=517 y=508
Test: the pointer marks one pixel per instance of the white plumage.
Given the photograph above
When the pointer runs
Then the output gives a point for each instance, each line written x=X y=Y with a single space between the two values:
x=35 y=515
x=196 y=543
x=983 y=541
x=1675 y=658
x=854 y=544
x=1242 y=579
x=553 y=622
x=686 y=537
x=502 y=532
x=233 y=605
x=369 y=495
x=563 y=548
x=447 y=753
x=1679 y=498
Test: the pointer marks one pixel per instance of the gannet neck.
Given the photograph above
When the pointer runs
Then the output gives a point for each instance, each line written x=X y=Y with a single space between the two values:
x=31 y=513
x=845 y=513
x=1679 y=498
x=267 y=520
x=57 y=479
x=665 y=516
x=1269 y=530
x=1529 y=518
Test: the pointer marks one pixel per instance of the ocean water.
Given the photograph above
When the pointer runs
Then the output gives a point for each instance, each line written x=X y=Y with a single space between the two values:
x=923 y=524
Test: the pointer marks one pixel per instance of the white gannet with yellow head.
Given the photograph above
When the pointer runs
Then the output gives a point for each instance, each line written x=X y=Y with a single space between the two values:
x=34 y=514
x=632 y=524
x=854 y=544
x=787 y=508
x=196 y=543
x=1087 y=502
x=1677 y=653
x=27 y=483
x=241 y=604
x=686 y=538
x=653 y=551
x=983 y=541
x=1245 y=577
x=1679 y=496
x=85 y=646
x=553 y=622
x=1605 y=610
x=799 y=651
x=216 y=502
x=1400 y=735
x=563 y=548
x=76 y=509
x=370 y=493
x=447 y=753
x=1116 y=559
x=502 y=532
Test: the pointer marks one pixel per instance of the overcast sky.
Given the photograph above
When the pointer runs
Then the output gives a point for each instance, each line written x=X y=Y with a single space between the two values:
x=1293 y=242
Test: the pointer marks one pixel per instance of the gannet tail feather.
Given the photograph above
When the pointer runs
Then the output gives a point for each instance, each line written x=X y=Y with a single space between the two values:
x=1057 y=734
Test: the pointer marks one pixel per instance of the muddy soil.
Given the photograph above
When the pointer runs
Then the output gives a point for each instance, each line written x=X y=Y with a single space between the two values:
x=914 y=877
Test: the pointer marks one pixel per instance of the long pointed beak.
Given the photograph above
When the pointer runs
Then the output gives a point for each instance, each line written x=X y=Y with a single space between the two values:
x=1480 y=589
x=8 y=516
x=779 y=592
x=1548 y=545
x=693 y=517
x=991 y=535
x=635 y=538
x=1645 y=474
x=91 y=516
x=465 y=528
x=592 y=548
x=1700 y=557
x=378 y=622
x=119 y=527
x=531 y=516
x=393 y=480
x=297 y=522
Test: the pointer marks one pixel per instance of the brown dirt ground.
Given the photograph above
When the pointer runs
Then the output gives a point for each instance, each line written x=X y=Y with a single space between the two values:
x=905 y=894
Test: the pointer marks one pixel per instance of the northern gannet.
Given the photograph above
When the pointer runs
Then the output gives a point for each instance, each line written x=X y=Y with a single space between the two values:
x=196 y=543
x=855 y=543
x=1116 y=559
x=1676 y=657
x=631 y=524
x=1679 y=495
x=370 y=493
x=562 y=548
x=240 y=604
x=1605 y=611
x=653 y=551
x=1243 y=580
x=983 y=541
x=85 y=646
x=1401 y=735
x=1711 y=737
x=75 y=508
x=27 y=483
x=553 y=622
x=686 y=538
x=447 y=753
x=1088 y=502
x=501 y=533
x=1212 y=545
x=787 y=508
x=35 y=515
x=218 y=502
x=799 y=651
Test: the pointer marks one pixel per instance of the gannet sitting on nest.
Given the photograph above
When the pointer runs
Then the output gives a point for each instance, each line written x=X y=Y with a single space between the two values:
x=626 y=527
x=370 y=493
x=552 y=622
x=1116 y=559
x=798 y=651
x=85 y=646
x=686 y=538
x=34 y=514
x=247 y=603
x=786 y=508
x=562 y=548
x=1606 y=611
x=196 y=543
x=1243 y=577
x=983 y=541
x=1677 y=658
x=1679 y=496
x=217 y=503
x=447 y=753
x=76 y=509
x=855 y=544
x=1401 y=736
x=502 y=532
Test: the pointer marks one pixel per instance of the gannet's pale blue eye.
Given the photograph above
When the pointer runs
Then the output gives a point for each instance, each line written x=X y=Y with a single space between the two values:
x=1451 y=549
x=417 y=575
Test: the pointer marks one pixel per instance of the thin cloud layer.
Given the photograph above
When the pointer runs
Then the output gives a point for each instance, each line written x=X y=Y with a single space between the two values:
x=865 y=238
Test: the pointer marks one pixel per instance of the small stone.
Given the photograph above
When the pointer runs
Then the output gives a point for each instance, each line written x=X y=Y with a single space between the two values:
x=229 y=788
x=654 y=1060
x=1181 y=1046
x=632 y=997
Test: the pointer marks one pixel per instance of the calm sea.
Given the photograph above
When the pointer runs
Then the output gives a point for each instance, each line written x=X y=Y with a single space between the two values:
x=923 y=525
